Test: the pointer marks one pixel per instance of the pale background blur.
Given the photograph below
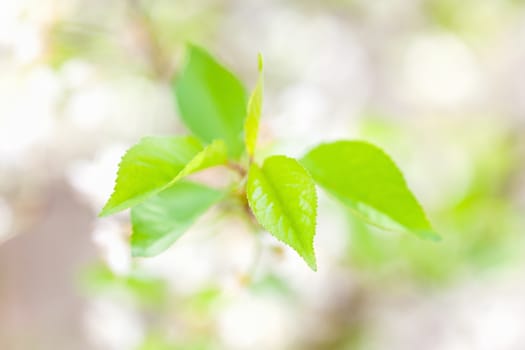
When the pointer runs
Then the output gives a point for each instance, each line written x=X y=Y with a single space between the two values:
x=439 y=84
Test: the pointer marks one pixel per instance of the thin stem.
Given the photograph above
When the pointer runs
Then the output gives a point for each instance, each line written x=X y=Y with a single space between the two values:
x=237 y=168
x=147 y=39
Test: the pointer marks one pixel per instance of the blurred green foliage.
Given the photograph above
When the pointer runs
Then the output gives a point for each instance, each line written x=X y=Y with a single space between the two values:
x=158 y=342
x=472 y=19
x=140 y=287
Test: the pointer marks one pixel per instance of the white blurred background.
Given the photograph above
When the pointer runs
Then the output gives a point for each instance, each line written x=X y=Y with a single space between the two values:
x=439 y=84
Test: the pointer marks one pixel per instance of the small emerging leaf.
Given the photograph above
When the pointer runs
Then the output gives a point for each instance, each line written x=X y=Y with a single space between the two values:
x=156 y=163
x=364 y=178
x=251 y=128
x=162 y=219
x=283 y=198
x=213 y=154
x=211 y=100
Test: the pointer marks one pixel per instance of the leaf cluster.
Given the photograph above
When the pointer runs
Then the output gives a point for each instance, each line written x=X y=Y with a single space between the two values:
x=281 y=192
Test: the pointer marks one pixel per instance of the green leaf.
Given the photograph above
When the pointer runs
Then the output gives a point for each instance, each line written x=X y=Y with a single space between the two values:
x=283 y=198
x=363 y=177
x=251 y=127
x=162 y=219
x=211 y=100
x=156 y=163
x=213 y=154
